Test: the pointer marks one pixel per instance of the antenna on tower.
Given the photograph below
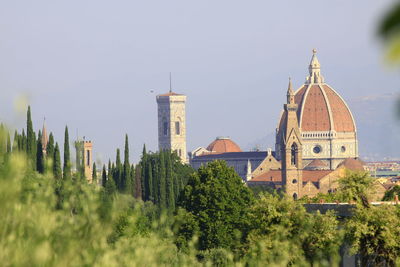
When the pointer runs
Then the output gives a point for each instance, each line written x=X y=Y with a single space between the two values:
x=170 y=83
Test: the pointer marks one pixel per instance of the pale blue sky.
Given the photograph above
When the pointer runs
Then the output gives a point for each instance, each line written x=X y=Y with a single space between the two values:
x=91 y=64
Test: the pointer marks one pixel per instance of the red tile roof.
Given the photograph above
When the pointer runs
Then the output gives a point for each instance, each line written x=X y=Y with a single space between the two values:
x=317 y=105
x=223 y=145
x=353 y=164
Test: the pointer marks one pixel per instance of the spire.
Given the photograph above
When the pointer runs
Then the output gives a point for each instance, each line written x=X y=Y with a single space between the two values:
x=44 y=136
x=170 y=83
x=314 y=70
x=290 y=93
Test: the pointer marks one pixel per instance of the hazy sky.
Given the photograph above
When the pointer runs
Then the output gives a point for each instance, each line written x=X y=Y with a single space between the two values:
x=92 y=65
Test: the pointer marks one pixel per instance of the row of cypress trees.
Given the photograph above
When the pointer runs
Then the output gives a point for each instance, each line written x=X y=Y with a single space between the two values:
x=163 y=176
x=33 y=147
x=158 y=177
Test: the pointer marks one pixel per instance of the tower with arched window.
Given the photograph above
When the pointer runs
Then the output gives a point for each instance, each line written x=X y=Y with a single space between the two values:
x=291 y=148
x=172 y=123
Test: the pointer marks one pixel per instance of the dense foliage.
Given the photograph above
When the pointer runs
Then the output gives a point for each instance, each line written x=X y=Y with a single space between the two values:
x=162 y=212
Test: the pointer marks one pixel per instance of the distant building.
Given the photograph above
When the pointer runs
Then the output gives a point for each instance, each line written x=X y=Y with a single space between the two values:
x=316 y=141
x=223 y=148
x=84 y=158
x=172 y=123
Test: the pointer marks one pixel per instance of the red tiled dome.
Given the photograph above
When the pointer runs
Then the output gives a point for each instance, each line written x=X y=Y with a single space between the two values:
x=223 y=145
x=320 y=108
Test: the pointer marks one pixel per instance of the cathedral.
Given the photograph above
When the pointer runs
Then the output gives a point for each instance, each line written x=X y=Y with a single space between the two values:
x=316 y=141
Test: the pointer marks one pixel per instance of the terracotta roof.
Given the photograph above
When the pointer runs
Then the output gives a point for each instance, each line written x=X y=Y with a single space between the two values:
x=341 y=114
x=223 y=145
x=352 y=164
x=276 y=176
x=314 y=176
x=169 y=94
x=314 y=111
x=260 y=155
x=269 y=176
x=316 y=163
x=320 y=108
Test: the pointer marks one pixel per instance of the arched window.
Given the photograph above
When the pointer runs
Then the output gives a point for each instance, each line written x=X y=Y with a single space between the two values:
x=87 y=157
x=293 y=154
x=165 y=128
x=295 y=196
x=177 y=128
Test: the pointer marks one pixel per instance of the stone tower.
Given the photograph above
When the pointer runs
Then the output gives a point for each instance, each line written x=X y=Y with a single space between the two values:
x=291 y=148
x=84 y=158
x=172 y=123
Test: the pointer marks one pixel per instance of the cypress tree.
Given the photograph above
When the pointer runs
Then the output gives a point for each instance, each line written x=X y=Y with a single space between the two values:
x=67 y=158
x=8 y=143
x=118 y=171
x=162 y=182
x=149 y=181
x=30 y=139
x=138 y=182
x=109 y=169
x=126 y=176
x=23 y=141
x=57 y=163
x=104 y=176
x=94 y=173
x=15 y=146
x=39 y=156
x=3 y=140
x=50 y=146
x=132 y=179
x=143 y=174
x=170 y=184
x=156 y=178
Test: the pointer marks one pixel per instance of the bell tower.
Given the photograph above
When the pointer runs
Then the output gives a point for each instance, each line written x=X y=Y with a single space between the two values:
x=172 y=123
x=84 y=159
x=291 y=148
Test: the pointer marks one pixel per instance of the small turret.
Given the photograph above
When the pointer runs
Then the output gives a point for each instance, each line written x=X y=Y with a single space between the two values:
x=44 y=138
x=314 y=70
x=290 y=93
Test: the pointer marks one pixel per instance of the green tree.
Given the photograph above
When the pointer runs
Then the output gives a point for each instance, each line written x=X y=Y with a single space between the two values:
x=374 y=233
x=283 y=233
x=149 y=181
x=216 y=196
x=117 y=175
x=94 y=173
x=104 y=176
x=30 y=136
x=30 y=139
x=391 y=193
x=126 y=175
x=8 y=143
x=24 y=141
x=40 y=166
x=57 y=163
x=162 y=181
x=15 y=146
x=169 y=183
x=355 y=186
x=110 y=170
x=67 y=157
x=138 y=182
x=50 y=146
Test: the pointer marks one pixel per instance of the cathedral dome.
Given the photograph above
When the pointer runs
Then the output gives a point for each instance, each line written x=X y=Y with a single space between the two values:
x=223 y=145
x=320 y=107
